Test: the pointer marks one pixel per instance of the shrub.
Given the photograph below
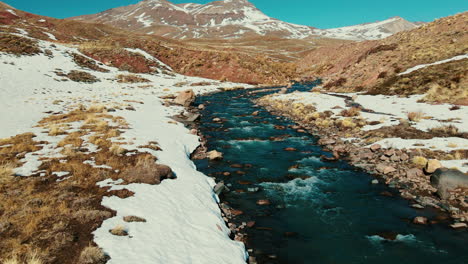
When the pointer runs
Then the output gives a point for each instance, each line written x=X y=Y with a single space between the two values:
x=117 y=149
x=351 y=112
x=18 y=45
x=80 y=76
x=92 y=255
x=6 y=172
x=55 y=130
x=84 y=62
x=131 y=78
x=447 y=131
x=415 y=116
x=119 y=230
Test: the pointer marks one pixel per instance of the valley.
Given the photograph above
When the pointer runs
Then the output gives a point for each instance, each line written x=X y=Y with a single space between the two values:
x=213 y=133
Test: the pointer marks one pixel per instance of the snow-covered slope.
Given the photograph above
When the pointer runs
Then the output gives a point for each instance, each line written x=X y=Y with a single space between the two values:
x=227 y=19
x=369 y=31
x=184 y=223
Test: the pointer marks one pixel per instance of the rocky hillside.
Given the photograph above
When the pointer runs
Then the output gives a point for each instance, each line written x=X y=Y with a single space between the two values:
x=228 y=19
x=113 y=46
x=381 y=66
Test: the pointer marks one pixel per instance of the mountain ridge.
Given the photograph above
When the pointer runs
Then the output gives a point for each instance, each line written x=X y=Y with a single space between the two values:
x=228 y=19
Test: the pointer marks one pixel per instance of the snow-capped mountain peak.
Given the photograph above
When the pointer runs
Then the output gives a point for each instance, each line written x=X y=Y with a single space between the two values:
x=227 y=19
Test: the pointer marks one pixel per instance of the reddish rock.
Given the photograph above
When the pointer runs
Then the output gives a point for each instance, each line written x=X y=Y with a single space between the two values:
x=385 y=169
x=389 y=152
x=244 y=182
x=420 y=220
x=185 y=98
x=290 y=149
x=375 y=147
x=263 y=202
x=250 y=224
x=236 y=212
x=414 y=173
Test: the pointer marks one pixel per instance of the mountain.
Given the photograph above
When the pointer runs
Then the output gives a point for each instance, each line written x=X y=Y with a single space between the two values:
x=432 y=58
x=228 y=19
x=369 y=31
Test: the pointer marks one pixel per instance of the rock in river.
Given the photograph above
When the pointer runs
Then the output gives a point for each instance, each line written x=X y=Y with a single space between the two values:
x=214 y=155
x=185 y=98
x=446 y=180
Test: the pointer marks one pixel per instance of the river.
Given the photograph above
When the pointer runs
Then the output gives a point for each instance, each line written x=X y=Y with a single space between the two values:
x=320 y=212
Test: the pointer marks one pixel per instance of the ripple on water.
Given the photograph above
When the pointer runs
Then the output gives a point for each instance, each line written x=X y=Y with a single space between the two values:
x=293 y=191
x=406 y=240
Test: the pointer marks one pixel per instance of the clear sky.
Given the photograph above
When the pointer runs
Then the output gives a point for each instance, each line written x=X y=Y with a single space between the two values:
x=316 y=13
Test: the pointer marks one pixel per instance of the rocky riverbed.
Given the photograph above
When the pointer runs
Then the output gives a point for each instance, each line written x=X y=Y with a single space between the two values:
x=407 y=169
x=292 y=201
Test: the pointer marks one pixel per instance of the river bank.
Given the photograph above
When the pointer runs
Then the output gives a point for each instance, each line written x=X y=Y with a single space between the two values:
x=401 y=153
x=292 y=205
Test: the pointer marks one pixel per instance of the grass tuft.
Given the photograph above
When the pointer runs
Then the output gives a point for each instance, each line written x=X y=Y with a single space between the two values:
x=415 y=116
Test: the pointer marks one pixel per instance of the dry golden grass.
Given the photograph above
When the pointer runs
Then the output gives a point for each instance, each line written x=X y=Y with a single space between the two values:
x=452 y=145
x=351 y=112
x=74 y=139
x=415 y=116
x=55 y=130
x=117 y=150
x=119 y=230
x=92 y=255
x=97 y=108
x=49 y=213
x=6 y=172
x=420 y=161
x=131 y=78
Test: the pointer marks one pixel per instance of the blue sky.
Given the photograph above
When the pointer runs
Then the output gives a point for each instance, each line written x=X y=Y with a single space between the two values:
x=317 y=13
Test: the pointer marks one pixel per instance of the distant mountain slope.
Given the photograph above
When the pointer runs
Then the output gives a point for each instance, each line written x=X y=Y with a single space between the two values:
x=228 y=19
x=379 y=65
x=369 y=31
x=111 y=45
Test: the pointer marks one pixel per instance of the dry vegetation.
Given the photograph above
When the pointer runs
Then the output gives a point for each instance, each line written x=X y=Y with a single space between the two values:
x=443 y=83
x=18 y=45
x=54 y=219
x=131 y=78
x=415 y=116
x=81 y=76
x=87 y=63
x=373 y=65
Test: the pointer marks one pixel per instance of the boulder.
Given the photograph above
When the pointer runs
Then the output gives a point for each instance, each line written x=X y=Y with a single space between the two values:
x=414 y=173
x=404 y=157
x=283 y=91
x=459 y=225
x=420 y=220
x=263 y=202
x=389 y=152
x=192 y=117
x=375 y=147
x=201 y=107
x=147 y=172
x=385 y=169
x=214 y=155
x=432 y=165
x=185 y=98
x=445 y=180
x=217 y=120
x=220 y=187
